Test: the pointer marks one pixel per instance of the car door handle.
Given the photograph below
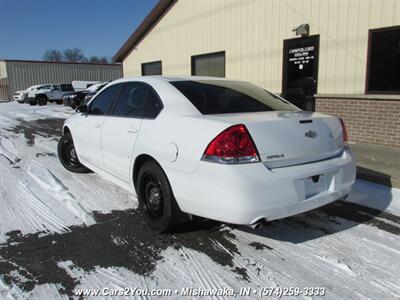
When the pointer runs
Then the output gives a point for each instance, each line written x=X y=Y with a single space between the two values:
x=132 y=130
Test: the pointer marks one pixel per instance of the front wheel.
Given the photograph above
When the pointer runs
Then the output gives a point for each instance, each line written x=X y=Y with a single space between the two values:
x=156 y=200
x=41 y=100
x=67 y=155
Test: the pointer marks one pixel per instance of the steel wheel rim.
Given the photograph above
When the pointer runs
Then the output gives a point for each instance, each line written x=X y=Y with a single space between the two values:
x=69 y=154
x=153 y=197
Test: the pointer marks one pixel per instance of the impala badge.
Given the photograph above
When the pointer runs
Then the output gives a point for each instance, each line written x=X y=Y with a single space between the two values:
x=310 y=134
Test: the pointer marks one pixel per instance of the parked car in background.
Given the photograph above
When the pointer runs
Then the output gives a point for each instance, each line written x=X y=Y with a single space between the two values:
x=219 y=149
x=32 y=91
x=19 y=96
x=74 y=99
x=22 y=96
x=80 y=85
x=93 y=91
x=54 y=93
x=77 y=98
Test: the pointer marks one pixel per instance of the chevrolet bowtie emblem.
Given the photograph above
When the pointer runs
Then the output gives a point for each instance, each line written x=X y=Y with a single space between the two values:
x=310 y=134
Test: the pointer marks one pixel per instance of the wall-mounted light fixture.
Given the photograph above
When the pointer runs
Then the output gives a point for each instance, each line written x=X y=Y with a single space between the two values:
x=303 y=30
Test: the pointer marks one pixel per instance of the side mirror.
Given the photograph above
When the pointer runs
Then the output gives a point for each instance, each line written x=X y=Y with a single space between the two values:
x=83 y=108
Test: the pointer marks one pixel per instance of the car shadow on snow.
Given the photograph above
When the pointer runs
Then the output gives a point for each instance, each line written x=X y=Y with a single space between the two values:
x=118 y=239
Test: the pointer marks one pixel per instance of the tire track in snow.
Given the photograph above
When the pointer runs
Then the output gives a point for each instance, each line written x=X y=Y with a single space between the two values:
x=32 y=210
x=9 y=150
x=48 y=181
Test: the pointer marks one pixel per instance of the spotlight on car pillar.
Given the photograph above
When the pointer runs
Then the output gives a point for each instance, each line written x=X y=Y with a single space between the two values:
x=303 y=30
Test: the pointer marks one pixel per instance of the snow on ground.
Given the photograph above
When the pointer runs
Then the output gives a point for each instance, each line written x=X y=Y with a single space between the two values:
x=61 y=231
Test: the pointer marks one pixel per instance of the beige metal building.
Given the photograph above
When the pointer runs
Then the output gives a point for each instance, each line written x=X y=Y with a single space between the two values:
x=343 y=59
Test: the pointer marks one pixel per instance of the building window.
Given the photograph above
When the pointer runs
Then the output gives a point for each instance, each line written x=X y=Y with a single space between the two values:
x=211 y=64
x=383 y=68
x=152 y=68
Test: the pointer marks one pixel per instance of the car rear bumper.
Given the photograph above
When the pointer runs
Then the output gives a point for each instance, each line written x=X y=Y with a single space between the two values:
x=244 y=194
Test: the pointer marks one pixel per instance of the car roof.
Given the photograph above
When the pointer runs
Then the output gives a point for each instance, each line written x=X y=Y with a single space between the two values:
x=154 y=78
x=174 y=101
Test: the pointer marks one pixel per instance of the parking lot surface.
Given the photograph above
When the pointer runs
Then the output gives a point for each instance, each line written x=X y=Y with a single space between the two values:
x=61 y=231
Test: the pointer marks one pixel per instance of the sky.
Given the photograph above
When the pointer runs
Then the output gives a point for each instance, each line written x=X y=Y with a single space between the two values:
x=99 y=27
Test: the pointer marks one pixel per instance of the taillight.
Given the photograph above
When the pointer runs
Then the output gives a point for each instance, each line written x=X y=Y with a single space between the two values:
x=344 y=130
x=232 y=146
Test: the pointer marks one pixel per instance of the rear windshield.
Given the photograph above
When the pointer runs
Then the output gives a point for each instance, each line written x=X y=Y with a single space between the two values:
x=224 y=97
x=67 y=88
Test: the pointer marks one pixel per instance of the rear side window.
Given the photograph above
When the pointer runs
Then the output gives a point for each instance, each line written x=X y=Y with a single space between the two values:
x=152 y=105
x=224 y=97
x=102 y=103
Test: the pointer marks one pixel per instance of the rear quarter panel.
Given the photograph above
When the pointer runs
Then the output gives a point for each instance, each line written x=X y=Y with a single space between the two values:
x=191 y=135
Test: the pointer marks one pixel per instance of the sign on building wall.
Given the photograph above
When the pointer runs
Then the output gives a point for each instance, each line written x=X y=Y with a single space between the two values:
x=300 y=71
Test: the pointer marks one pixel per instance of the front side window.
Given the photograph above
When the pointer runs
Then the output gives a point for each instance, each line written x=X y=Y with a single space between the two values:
x=56 y=88
x=44 y=87
x=212 y=64
x=384 y=61
x=224 y=97
x=137 y=100
x=152 y=68
x=102 y=103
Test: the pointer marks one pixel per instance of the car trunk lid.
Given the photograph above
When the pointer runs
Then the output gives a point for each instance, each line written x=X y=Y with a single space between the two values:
x=290 y=138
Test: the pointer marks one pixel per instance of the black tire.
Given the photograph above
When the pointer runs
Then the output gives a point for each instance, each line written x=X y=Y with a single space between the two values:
x=67 y=155
x=32 y=102
x=41 y=100
x=51 y=101
x=59 y=102
x=156 y=200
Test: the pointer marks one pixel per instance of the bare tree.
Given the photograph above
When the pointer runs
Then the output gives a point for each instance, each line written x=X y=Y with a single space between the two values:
x=94 y=59
x=98 y=60
x=74 y=55
x=103 y=60
x=53 y=55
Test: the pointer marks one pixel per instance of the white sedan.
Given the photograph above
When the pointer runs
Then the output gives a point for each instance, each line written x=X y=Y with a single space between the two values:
x=209 y=147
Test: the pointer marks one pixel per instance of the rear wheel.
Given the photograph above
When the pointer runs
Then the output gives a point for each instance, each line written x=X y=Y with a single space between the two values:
x=68 y=157
x=156 y=200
